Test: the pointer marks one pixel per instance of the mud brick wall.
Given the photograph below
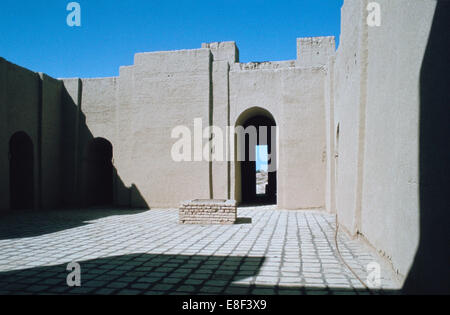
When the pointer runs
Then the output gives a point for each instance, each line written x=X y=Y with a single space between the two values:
x=208 y=212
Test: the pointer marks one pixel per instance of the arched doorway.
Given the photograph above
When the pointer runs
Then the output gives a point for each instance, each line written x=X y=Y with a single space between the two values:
x=21 y=176
x=98 y=173
x=256 y=180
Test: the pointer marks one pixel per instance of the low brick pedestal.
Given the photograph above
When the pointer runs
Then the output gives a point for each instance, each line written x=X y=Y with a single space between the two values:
x=201 y=211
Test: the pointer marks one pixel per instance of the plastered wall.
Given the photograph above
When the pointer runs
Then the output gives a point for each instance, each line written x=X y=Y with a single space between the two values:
x=31 y=103
x=391 y=163
x=376 y=104
x=295 y=99
x=168 y=89
x=348 y=96
x=138 y=110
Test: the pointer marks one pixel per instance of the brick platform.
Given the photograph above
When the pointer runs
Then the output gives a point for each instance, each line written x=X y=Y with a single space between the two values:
x=208 y=212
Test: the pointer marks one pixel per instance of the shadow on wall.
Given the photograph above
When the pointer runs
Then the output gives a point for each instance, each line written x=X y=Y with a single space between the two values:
x=91 y=179
x=156 y=274
x=430 y=272
x=88 y=180
x=87 y=175
x=21 y=171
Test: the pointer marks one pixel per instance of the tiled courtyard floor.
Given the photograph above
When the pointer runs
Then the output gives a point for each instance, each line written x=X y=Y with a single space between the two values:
x=269 y=251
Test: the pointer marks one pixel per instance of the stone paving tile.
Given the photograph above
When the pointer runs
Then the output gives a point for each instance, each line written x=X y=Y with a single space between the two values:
x=148 y=252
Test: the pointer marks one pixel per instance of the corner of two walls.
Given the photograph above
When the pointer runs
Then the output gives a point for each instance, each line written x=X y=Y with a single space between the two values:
x=31 y=102
x=122 y=110
x=90 y=111
x=51 y=143
x=4 y=137
x=376 y=109
x=345 y=117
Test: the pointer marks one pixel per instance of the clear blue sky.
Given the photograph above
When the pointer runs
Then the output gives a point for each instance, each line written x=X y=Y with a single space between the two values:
x=262 y=157
x=34 y=34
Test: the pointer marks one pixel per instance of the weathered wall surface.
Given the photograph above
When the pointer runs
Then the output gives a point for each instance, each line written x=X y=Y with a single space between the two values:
x=347 y=98
x=302 y=140
x=99 y=109
x=331 y=156
x=315 y=51
x=126 y=111
x=51 y=143
x=295 y=98
x=4 y=137
x=377 y=103
x=223 y=51
x=138 y=110
x=391 y=164
x=71 y=103
x=169 y=89
x=221 y=185
x=97 y=120
x=31 y=103
x=21 y=108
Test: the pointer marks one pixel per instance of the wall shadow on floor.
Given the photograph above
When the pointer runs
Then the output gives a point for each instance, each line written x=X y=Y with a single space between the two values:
x=430 y=272
x=156 y=274
x=27 y=223
x=243 y=221
x=261 y=201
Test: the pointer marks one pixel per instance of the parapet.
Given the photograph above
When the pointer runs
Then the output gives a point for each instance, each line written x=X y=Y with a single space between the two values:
x=267 y=65
x=223 y=51
x=314 y=51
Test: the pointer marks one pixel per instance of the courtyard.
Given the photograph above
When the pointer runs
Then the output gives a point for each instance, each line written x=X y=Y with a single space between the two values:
x=268 y=251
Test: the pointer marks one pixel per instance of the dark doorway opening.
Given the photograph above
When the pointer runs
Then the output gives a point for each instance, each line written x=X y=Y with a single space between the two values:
x=21 y=176
x=99 y=173
x=253 y=174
